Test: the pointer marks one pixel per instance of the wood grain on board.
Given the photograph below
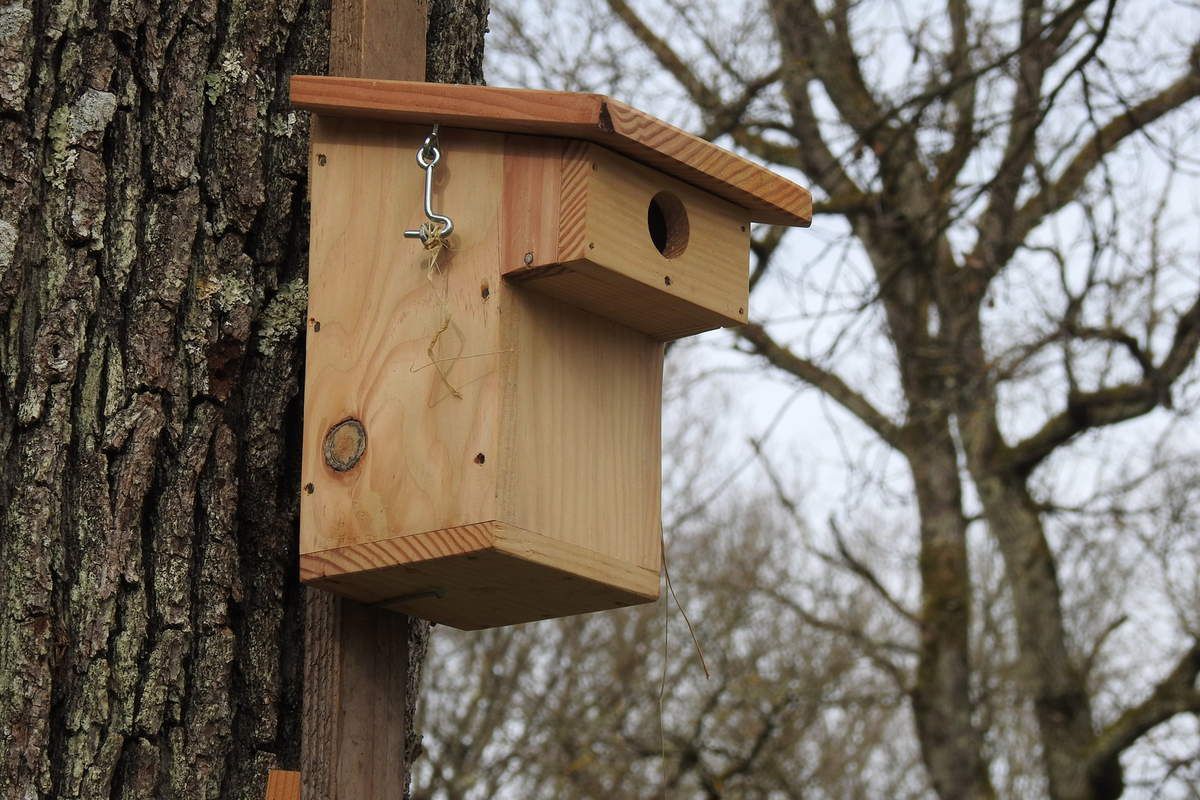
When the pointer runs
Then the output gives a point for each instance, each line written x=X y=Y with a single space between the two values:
x=357 y=701
x=355 y=685
x=582 y=441
x=481 y=576
x=370 y=38
x=374 y=308
x=283 y=785
x=593 y=117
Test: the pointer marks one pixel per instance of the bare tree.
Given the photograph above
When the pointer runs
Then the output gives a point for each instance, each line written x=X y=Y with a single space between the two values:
x=1005 y=188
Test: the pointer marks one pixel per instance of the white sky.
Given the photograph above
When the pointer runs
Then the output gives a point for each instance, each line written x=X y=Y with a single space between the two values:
x=829 y=460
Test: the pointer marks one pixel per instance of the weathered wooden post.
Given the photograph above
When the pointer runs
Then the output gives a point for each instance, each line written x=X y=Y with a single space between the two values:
x=357 y=664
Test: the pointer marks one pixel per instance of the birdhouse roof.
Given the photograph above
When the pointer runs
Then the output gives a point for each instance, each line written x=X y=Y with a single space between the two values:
x=575 y=115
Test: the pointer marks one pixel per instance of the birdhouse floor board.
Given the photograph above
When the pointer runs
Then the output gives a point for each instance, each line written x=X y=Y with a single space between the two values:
x=480 y=576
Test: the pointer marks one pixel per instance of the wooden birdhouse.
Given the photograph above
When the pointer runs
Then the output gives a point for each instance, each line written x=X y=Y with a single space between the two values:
x=482 y=410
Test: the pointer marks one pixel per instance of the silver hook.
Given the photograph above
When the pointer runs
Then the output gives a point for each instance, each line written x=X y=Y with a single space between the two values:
x=428 y=155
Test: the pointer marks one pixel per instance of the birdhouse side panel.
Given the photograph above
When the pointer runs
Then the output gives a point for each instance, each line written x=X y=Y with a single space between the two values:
x=409 y=353
x=530 y=209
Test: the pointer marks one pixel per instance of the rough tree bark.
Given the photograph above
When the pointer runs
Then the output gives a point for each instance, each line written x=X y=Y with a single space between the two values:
x=152 y=293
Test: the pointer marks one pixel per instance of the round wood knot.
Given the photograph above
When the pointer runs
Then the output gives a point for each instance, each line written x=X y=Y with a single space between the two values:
x=344 y=444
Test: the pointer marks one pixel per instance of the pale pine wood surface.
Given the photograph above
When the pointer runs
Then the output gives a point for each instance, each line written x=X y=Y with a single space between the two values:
x=713 y=270
x=283 y=785
x=583 y=459
x=767 y=196
x=529 y=206
x=605 y=261
x=662 y=316
x=378 y=312
x=572 y=222
x=481 y=576
x=337 y=567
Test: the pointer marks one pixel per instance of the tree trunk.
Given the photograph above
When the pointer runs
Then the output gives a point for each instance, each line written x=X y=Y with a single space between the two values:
x=1061 y=704
x=153 y=238
x=1045 y=666
x=951 y=745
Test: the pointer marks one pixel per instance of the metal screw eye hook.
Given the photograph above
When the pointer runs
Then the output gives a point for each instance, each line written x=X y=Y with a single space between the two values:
x=428 y=155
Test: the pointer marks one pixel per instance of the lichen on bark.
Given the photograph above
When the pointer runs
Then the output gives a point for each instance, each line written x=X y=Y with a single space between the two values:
x=149 y=611
x=153 y=239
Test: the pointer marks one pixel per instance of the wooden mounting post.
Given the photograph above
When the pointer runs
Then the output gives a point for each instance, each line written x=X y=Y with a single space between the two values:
x=378 y=39
x=355 y=657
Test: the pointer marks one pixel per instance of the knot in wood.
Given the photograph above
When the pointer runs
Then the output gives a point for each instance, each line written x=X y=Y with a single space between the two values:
x=344 y=444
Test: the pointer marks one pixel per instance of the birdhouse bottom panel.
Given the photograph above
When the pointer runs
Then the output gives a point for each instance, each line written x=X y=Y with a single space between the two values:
x=480 y=576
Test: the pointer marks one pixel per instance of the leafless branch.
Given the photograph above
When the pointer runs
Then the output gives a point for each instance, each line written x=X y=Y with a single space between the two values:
x=821 y=378
x=999 y=239
x=1113 y=404
x=1175 y=694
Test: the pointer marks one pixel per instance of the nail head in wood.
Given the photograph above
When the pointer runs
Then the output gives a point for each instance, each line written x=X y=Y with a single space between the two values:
x=345 y=444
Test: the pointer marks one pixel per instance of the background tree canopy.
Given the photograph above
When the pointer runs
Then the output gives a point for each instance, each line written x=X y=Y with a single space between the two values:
x=955 y=549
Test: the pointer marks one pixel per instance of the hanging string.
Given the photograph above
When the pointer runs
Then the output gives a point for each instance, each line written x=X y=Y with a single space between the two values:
x=679 y=605
x=435 y=242
x=662 y=688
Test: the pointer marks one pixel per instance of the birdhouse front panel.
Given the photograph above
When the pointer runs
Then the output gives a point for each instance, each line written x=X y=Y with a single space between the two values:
x=583 y=421
x=624 y=240
x=488 y=302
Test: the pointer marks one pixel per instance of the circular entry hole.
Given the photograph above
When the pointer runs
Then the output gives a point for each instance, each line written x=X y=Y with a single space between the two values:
x=667 y=221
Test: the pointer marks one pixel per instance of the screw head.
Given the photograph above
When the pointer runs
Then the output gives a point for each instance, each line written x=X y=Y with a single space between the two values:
x=529 y=258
